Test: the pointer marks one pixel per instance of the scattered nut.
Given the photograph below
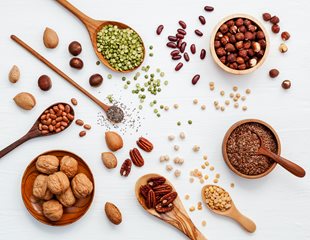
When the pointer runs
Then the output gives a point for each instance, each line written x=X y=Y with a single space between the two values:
x=74 y=101
x=273 y=73
x=182 y=135
x=14 y=74
x=50 y=38
x=113 y=140
x=45 y=83
x=82 y=133
x=169 y=168
x=176 y=147
x=286 y=84
x=177 y=173
x=171 y=137
x=75 y=48
x=176 y=106
x=109 y=160
x=113 y=213
x=196 y=148
x=95 y=80
x=195 y=101
x=283 y=48
x=266 y=16
x=25 y=100
x=244 y=108
x=275 y=28
x=203 y=107
x=76 y=63
x=285 y=36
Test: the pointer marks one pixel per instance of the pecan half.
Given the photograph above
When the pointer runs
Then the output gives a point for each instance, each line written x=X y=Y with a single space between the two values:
x=164 y=209
x=126 y=168
x=151 y=200
x=162 y=190
x=156 y=181
x=168 y=198
x=144 y=190
x=136 y=157
x=145 y=144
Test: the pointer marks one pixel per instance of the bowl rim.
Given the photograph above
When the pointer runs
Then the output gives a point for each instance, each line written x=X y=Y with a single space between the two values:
x=225 y=140
x=216 y=58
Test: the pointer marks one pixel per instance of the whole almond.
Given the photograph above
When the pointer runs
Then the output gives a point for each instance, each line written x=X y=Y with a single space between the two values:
x=14 y=74
x=114 y=140
x=25 y=100
x=50 y=38
x=113 y=213
x=109 y=160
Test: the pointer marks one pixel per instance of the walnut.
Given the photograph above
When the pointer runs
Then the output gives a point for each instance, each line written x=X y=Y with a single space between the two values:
x=58 y=182
x=69 y=166
x=81 y=186
x=40 y=189
x=67 y=198
x=47 y=164
x=52 y=209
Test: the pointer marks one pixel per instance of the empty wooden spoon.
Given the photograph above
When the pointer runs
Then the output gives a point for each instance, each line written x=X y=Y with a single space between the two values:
x=93 y=26
x=231 y=212
x=177 y=217
x=37 y=131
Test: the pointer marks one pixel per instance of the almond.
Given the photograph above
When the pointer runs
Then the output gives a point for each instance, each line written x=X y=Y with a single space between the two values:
x=113 y=213
x=109 y=160
x=114 y=141
x=14 y=74
x=50 y=38
x=25 y=100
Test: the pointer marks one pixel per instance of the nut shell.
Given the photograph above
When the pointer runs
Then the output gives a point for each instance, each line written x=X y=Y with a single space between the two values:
x=40 y=189
x=25 y=100
x=69 y=166
x=47 y=164
x=113 y=213
x=58 y=183
x=109 y=160
x=14 y=74
x=81 y=186
x=114 y=141
x=53 y=210
x=50 y=38
x=67 y=198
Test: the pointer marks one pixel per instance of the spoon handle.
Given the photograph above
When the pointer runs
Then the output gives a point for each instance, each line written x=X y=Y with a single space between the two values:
x=288 y=165
x=15 y=145
x=244 y=221
x=59 y=72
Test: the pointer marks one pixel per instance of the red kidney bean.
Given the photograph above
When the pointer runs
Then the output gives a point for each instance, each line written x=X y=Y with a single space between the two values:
x=176 y=57
x=178 y=66
x=198 y=33
x=186 y=57
x=181 y=31
x=159 y=29
x=179 y=43
x=171 y=45
x=195 y=79
x=174 y=52
x=202 y=20
x=182 y=24
x=172 y=38
x=183 y=46
x=193 y=48
x=209 y=8
x=179 y=36
x=202 y=54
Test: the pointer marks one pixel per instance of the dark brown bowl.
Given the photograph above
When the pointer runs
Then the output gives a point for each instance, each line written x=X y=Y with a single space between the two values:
x=228 y=133
x=34 y=206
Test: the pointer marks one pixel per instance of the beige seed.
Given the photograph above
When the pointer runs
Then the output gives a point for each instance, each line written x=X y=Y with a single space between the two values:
x=192 y=209
x=211 y=84
x=248 y=91
x=201 y=180
x=195 y=101
x=211 y=168
x=232 y=185
x=191 y=180
x=182 y=135
x=235 y=88
x=243 y=98
x=244 y=108
x=207 y=163
x=235 y=99
x=177 y=173
x=206 y=177
x=236 y=105
x=187 y=197
x=217 y=175
x=227 y=102
x=176 y=106
x=171 y=137
x=216 y=103
x=283 y=48
x=222 y=93
x=196 y=148
x=231 y=95
x=222 y=108
x=169 y=168
x=176 y=147
x=166 y=108
x=205 y=157
x=217 y=107
x=215 y=180
x=203 y=107
x=203 y=223
x=203 y=166
x=212 y=88
x=238 y=95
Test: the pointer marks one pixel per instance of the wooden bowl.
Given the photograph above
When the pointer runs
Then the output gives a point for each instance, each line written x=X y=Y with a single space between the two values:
x=216 y=58
x=225 y=140
x=34 y=206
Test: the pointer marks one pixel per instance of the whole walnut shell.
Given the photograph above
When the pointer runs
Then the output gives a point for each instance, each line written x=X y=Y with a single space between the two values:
x=47 y=164
x=53 y=210
x=58 y=182
x=81 y=186
x=67 y=198
x=69 y=166
x=40 y=189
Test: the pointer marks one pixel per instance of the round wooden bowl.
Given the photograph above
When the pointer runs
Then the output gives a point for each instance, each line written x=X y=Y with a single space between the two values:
x=216 y=58
x=34 y=205
x=225 y=140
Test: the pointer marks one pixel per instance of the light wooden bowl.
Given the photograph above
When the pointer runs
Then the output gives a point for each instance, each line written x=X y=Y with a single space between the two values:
x=216 y=58
x=34 y=206
x=224 y=150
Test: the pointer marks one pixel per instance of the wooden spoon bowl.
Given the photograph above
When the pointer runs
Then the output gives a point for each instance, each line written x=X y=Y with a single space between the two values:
x=34 y=206
x=177 y=217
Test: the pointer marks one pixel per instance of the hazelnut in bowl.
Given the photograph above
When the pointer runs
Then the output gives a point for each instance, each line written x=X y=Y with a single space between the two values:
x=239 y=44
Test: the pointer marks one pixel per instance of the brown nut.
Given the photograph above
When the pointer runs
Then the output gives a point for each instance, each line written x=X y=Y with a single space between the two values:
x=283 y=48
x=53 y=210
x=81 y=186
x=113 y=140
x=220 y=52
x=50 y=38
x=126 y=168
x=150 y=201
x=40 y=189
x=230 y=47
x=136 y=157
x=69 y=166
x=25 y=100
x=45 y=83
x=273 y=73
x=256 y=47
x=14 y=74
x=95 y=80
x=224 y=28
x=67 y=198
x=285 y=36
x=267 y=16
x=47 y=164
x=76 y=63
x=144 y=189
x=145 y=144
x=286 y=84
x=260 y=35
x=75 y=48
x=156 y=181
x=58 y=183
x=109 y=160
x=239 y=36
x=113 y=213
x=274 y=20
x=275 y=28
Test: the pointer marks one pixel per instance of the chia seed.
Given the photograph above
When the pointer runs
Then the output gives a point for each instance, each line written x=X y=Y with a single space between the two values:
x=115 y=114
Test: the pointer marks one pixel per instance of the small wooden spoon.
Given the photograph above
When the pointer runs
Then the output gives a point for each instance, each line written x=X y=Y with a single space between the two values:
x=93 y=26
x=233 y=213
x=177 y=217
x=288 y=165
x=32 y=133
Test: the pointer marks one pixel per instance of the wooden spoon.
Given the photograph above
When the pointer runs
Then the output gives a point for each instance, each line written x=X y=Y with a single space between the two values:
x=232 y=212
x=33 y=133
x=110 y=110
x=177 y=217
x=287 y=164
x=93 y=26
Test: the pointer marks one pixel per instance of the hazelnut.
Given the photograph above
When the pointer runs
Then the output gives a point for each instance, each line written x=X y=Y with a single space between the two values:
x=273 y=73
x=76 y=63
x=81 y=186
x=69 y=166
x=95 y=80
x=224 y=28
x=256 y=47
x=40 y=189
x=252 y=28
x=243 y=53
x=75 y=48
x=47 y=164
x=239 y=45
x=239 y=22
x=274 y=20
x=247 y=44
x=223 y=59
x=67 y=198
x=230 y=48
x=240 y=60
x=233 y=29
x=283 y=48
x=239 y=36
x=262 y=43
x=217 y=44
x=242 y=29
x=52 y=209
x=231 y=58
x=58 y=182
x=260 y=54
x=230 y=23
x=260 y=35
x=232 y=39
x=242 y=67
x=285 y=36
x=286 y=84
x=220 y=52
x=275 y=28
x=253 y=62
x=233 y=65
x=248 y=36
x=251 y=52
x=247 y=22
x=225 y=40
x=44 y=83
x=218 y=36
x=267 y=16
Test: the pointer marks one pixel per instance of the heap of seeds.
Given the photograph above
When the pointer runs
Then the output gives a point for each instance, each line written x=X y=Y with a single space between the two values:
x=217 y=198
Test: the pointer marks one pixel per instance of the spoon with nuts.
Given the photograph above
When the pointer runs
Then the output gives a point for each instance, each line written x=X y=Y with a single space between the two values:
x=220 y=202
x=158 y=197
x=53 y=120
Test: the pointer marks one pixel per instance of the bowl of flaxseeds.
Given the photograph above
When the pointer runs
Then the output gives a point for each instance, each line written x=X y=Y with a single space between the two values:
x=241 y=144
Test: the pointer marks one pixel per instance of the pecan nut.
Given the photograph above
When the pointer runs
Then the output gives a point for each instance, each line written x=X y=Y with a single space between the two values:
x=144 y=190
x=136 y=157
x=126 y=168
x=168 y=198
x=145 y=144
x=156 y=181
x=151 y=199
x=162 y=190
x=160 y=208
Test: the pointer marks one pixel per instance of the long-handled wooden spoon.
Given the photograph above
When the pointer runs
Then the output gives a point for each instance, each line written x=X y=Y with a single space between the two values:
x=93 y=26
x=34 y=132
x=114 y=113
x=177 y=217
x=288 y=165
x=232 y=212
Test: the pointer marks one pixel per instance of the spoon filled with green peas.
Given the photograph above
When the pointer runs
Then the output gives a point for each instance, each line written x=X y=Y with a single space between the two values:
x=117 y=46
